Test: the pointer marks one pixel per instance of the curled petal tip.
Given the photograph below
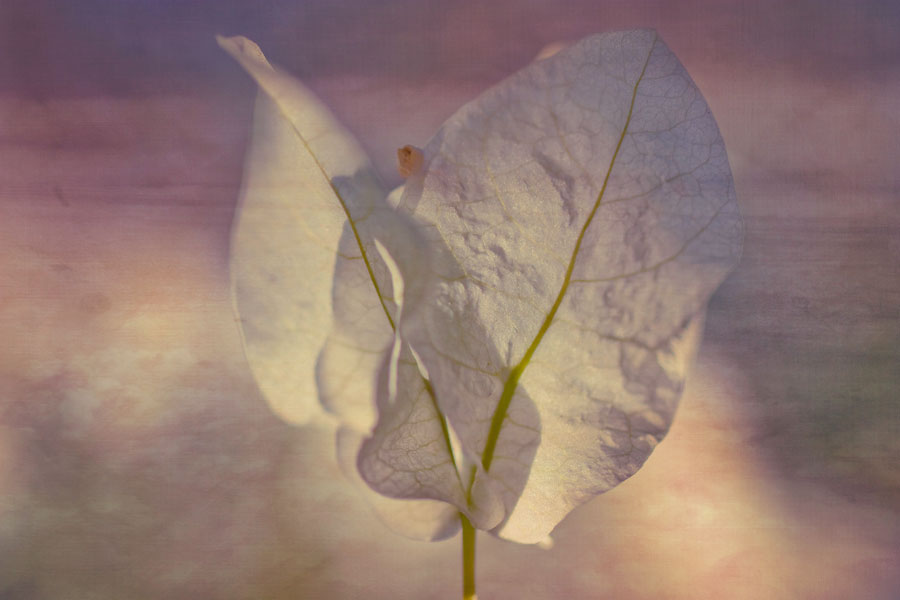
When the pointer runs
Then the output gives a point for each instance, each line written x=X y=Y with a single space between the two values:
x=239 y=47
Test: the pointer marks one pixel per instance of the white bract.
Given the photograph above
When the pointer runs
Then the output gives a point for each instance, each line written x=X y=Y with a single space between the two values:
x=552 y=256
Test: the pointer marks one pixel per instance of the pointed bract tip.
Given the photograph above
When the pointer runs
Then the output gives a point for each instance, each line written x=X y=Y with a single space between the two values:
x=551 y=49
x=240 y=47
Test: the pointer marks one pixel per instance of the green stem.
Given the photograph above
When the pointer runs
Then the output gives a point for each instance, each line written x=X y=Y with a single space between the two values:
x=468 y=558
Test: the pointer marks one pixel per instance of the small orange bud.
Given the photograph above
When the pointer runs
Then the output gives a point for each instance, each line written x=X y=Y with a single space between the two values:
x=409 y=160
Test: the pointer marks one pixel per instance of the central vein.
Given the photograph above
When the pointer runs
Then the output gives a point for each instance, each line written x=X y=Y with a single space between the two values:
x=512 y=381
x=350 y=221
x=365 y=256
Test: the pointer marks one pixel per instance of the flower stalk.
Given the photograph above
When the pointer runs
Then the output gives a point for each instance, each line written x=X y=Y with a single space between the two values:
x=468 y=558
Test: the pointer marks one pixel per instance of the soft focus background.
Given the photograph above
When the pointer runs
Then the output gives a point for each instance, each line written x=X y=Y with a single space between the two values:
x=137 y=459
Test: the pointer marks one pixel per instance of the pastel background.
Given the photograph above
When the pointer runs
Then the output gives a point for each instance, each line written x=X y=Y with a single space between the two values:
x=137 y=459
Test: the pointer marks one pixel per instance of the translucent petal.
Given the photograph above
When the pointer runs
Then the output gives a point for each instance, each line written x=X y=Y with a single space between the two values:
x=588 y=206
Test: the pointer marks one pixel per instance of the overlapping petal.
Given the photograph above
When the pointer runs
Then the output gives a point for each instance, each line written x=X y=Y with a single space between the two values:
x=513 y=340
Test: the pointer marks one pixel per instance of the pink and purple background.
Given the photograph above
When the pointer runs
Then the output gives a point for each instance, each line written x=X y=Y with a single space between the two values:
x=137 y=459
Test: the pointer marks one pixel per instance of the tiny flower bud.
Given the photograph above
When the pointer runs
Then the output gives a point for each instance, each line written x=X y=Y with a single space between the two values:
x=409 y=160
